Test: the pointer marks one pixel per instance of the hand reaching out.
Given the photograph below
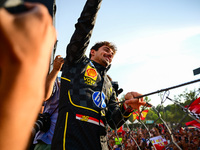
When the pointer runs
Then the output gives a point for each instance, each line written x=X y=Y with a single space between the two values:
x=133 y=102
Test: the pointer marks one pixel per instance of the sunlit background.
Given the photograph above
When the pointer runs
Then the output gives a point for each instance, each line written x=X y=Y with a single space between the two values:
x=158 y=41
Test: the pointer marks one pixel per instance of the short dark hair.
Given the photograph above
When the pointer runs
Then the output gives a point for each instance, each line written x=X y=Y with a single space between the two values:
x=100 y=44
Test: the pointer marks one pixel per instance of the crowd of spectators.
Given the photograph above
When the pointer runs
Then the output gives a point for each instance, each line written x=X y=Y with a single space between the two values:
x=138 y=138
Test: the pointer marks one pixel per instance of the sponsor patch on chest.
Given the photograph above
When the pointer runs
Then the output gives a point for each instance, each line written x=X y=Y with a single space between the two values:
x=90 y=75
x=99 y=99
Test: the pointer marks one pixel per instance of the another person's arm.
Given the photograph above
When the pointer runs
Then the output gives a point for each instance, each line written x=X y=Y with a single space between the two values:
x=57 y=65
x=26 y=41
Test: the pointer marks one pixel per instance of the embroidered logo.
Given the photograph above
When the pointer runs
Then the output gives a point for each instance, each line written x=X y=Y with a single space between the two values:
x=90 y=120
x=99 y=99
x=90 y=75
x=91 y=72
x=84 y=118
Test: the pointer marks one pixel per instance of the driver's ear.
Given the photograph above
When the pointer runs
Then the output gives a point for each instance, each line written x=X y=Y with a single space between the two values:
x=92 y=52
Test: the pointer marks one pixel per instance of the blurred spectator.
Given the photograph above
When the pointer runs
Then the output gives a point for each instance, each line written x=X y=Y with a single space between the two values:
x=43 y=138
x=26 y=41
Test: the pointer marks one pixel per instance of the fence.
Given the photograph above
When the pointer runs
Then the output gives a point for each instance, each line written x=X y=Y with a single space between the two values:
x=157 y=133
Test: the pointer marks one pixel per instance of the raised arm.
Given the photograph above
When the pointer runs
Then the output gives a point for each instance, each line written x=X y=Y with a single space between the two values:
x=57 y=65
x=83 y=31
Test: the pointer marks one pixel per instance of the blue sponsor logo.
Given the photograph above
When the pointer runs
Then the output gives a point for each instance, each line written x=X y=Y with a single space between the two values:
x=99 y=99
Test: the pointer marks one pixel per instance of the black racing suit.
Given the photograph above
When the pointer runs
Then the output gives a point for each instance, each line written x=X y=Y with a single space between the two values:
x=87 y=98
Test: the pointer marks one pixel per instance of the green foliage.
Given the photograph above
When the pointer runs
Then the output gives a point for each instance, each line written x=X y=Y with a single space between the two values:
x=146 y=99
x=186 y=96
x=122 y=97
x=151 y=115
x=173 y=113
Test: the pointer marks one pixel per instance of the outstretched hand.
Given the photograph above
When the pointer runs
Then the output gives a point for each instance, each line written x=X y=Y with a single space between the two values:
x=134 y=103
